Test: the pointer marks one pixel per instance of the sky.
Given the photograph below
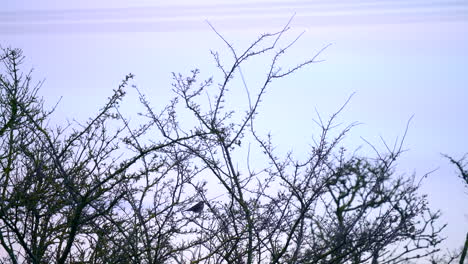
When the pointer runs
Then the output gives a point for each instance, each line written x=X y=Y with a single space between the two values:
x=399 y=58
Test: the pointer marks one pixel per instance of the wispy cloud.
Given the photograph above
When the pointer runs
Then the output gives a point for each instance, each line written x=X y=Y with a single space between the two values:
x=235 y=16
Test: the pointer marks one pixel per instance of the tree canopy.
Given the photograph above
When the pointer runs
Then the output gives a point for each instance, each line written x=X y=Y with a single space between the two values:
x=112 y=191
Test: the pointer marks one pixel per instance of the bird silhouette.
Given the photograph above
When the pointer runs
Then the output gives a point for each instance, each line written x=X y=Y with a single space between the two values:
x=197 y=208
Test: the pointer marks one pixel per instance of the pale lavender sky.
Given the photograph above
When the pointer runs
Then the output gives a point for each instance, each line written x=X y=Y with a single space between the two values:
x=400 y=57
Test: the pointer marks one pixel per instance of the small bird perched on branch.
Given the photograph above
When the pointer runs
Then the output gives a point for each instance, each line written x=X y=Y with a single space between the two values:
x=197 y=208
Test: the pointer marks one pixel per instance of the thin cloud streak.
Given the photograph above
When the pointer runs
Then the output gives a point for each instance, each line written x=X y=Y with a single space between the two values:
x=233 y=16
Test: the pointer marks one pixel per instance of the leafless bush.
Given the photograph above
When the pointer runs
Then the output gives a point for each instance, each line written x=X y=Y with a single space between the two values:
x=105 y=192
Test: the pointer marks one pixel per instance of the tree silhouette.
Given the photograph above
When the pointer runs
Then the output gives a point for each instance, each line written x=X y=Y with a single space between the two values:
x=103 y=191
x=463 y=174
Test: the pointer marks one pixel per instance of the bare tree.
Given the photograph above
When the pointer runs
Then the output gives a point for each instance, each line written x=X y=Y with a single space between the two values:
x=61 y=187
x=462 y=167
x=106 y=192
x=328 y=208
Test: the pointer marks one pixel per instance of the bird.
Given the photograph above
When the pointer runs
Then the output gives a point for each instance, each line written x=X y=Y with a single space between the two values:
x=197 y=208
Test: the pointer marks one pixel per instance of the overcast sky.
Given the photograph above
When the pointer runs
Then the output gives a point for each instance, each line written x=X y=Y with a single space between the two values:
x=402 y=58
